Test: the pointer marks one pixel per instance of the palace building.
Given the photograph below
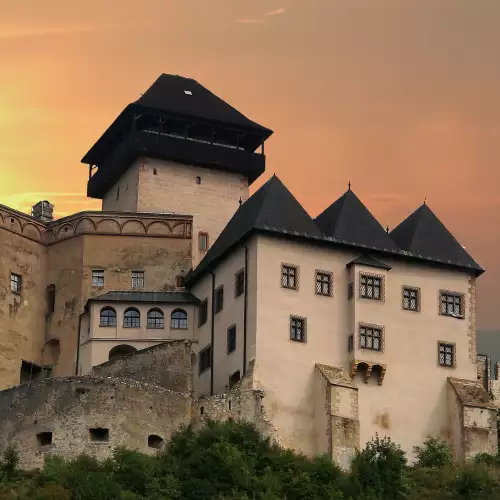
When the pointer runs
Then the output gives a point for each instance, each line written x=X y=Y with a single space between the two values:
x=345 y=329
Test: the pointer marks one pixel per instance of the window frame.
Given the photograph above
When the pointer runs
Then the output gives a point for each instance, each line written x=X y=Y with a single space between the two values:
x=158 y=320
x=410 y=289
x=16 y=283
x=374 y=328
x=329 y=282
x=231 y=339
x=367 y=276
x=203 y=234
x=284 y=267
x=239 y=283
x=303 y=337
x=219 y=299
x=98 y=277
x=202 y=308
x=180 y=320
x=205 y=355
x=131 y=309
x=141 y=279
x=445 y=344
x=108 y=325
x=449 y=293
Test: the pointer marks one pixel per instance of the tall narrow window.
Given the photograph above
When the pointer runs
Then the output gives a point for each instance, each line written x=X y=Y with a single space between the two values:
x=446 y=354
x=203 y=312
x=137 y=279
x=132 y=318
x=370 y=287
x=155 y=319
x=219 y=299
x=203 y=242
x=239 y=283
x=323 y=283
x=51 y=298
x=289 y=276
x=198 y=179
x=179 y=320
x=205 y=358
x=15 y=283
x=98 y=277
x=411 y=298
x=297 y=329
x=231 y=339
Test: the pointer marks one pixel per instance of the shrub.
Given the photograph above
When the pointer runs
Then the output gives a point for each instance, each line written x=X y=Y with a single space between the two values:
x=52 y=492
x=434 y=453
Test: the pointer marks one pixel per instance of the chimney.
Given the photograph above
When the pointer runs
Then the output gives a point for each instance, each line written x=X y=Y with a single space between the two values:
x=43 y=211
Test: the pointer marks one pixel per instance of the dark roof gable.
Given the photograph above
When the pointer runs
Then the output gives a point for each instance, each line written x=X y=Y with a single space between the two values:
x=348 y=220
x=423 y=234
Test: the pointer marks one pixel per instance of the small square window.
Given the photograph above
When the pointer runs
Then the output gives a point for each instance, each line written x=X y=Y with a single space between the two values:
x=370 y=337
x=205 y=358
x=15 y=283
x=446 y=354
x=324 y=283
x=219 y=299
x=289 y=276
x=231 y=339
x=370 y=287
x=98 y=278
x=411 y=298
x=298 y=329
x=203 y=312
x=137 y=279
x=452 y=304
x=239 y=283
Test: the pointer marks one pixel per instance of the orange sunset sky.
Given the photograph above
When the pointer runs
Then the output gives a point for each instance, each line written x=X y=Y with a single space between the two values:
x=400 y=96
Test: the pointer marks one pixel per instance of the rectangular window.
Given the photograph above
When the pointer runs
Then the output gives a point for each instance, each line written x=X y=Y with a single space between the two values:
x=203 y=241
x=289 y=277
x=411 y=298
x=452 y=304
x=239 y=283
x=15 y=283
x=350 y=291
x=297 y=329
x=98 y=278
x=205 y=358
x=203 y=312
x=219 y=299
x=323 y=283
x=370 y=287
x=231 y=339
x=370 y=337
x=350 y=342
x=137 y=279
x=446 y=354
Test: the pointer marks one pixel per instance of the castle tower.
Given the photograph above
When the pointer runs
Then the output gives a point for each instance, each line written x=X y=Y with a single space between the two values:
x=179 y=148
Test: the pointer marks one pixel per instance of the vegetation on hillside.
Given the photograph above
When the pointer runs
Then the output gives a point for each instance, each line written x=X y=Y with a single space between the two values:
x=231 y=461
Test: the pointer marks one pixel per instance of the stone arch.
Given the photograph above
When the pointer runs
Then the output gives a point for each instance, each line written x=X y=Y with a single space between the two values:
x=119 y=351
x=108 y=226
x=48 y=236
x=378 y=373
x=85 y=225
x=159 y=227
x=32 y=231
x=134 y=226
x=179 y=229
x=65 y=231
x=13 y=223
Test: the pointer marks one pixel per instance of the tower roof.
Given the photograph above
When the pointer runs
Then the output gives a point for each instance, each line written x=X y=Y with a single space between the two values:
x=423 y=234
x=271 y=208
x=347 y=219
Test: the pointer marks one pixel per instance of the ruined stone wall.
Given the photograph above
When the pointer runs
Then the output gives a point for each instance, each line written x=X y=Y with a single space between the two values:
x=166 y=365
x=71 y=416
x=22 y=321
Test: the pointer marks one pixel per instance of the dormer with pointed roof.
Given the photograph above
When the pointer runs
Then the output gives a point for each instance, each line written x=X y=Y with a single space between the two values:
x=424 y=235
x=177 y=119
x=348 y=220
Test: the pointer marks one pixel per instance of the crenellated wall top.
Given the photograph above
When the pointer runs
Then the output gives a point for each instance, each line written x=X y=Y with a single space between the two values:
x=163 y=225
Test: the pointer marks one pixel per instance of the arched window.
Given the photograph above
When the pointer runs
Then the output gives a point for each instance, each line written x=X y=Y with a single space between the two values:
x=203 y=242
x=131 y=318
x=121 y=350
x=107 y=317
x=198 y=179
x=155 y=319
x=179 y=320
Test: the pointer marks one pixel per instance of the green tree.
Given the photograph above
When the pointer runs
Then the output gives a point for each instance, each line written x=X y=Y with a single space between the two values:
x=433 y=453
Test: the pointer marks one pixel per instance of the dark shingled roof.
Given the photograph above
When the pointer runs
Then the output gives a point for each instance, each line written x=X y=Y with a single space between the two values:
x=348 y=220
x=271 y=208
x=168 y=94
x=423 y=234
x=149 y=297
x=367 y=260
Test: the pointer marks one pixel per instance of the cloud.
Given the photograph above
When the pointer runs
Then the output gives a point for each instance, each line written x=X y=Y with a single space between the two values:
x=7 y=32
x=265 y=19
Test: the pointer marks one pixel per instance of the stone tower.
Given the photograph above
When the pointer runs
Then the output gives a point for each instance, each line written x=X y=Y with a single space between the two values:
x=179 y=148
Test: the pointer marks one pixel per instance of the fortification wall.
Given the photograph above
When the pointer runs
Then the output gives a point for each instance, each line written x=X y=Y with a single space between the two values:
x=71 y=416
x=166 y=365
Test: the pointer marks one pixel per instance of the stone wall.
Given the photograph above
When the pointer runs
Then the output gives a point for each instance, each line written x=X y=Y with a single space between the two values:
x=71 y=416
x=165 y=365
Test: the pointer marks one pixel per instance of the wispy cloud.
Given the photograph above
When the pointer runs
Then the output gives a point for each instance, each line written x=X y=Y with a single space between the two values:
x=7 y=32
x=265 y=18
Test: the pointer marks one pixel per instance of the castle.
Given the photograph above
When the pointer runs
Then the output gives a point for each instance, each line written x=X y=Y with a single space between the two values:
x=186 y=298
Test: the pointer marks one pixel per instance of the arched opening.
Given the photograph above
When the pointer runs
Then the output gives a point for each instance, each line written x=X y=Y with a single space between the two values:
x=178 y=320
x=107 y=317
x=132 y=318
x=155 y=319
x=155 y=441
x=362 y=372
x=120 y=351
